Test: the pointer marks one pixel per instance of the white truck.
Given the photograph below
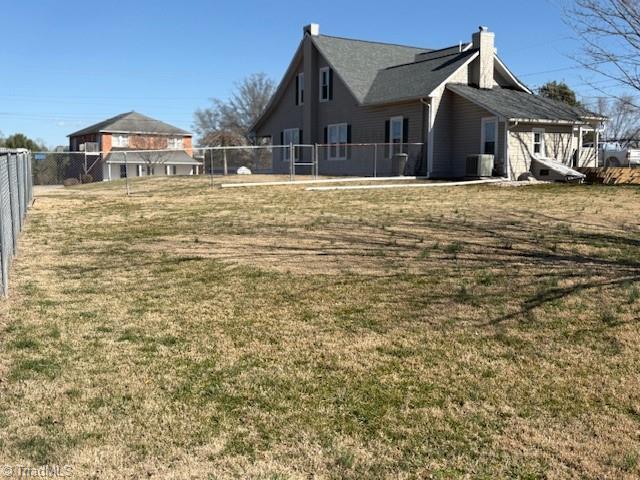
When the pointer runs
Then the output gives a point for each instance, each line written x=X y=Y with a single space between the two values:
x=612 y=154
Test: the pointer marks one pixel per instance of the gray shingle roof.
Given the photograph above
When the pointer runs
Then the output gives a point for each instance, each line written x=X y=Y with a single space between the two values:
x=132 y=122
x=516 y=105
x=415 y=80
x=178 y=157
x=357 y=62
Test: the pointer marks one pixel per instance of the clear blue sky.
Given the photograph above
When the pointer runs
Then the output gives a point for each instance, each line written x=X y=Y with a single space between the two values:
x=67 y=64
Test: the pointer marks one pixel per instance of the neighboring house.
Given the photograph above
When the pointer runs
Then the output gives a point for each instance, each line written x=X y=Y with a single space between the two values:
x=457 y=101
x=105 y=143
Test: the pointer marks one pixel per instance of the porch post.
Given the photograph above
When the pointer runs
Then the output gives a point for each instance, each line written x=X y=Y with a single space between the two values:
x=507 y=163
x=577 y=163
x=109 y=171
x=596 y=143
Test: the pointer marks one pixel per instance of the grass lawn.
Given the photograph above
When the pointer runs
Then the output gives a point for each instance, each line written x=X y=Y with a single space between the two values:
x=189 y=332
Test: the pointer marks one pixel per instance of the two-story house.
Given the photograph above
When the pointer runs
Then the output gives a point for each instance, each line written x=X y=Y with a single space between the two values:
x=152 y=148
x=456 y=102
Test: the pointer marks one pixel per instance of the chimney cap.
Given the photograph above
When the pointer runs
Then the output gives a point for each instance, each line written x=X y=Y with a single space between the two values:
x=483 y=28
x=312 y=29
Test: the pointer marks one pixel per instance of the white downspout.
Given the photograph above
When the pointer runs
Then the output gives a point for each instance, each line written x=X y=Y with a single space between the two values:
x=429 y=106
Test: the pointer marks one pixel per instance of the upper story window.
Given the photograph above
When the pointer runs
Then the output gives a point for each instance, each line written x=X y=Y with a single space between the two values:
x=538 y=142
x=300 y=89
x=326 y=84
x=120 y=140
x=176 y=143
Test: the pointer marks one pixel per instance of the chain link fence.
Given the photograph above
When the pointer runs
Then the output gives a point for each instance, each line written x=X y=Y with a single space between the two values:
x=16 y=193
x=261 y=163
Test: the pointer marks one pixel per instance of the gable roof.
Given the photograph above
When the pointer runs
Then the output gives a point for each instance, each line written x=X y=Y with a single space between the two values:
x=131 y=122
x=522 y=106
x=358 y=62
x=417 y=79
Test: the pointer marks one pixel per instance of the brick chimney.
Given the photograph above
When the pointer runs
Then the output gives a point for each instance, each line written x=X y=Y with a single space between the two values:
x=485 y=41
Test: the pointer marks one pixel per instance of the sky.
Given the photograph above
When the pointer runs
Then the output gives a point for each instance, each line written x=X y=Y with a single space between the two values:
x=66 y=64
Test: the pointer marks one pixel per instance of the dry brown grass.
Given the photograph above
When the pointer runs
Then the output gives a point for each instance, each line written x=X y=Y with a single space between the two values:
x=187 y=332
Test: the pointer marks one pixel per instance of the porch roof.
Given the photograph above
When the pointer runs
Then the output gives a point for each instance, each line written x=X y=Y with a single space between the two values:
x=178 y=157
x=521 y=106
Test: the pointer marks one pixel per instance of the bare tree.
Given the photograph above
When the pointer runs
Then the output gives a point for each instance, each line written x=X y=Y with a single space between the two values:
x=610 y=32
x=152 y=151
x=624 y=119
x=228 y=122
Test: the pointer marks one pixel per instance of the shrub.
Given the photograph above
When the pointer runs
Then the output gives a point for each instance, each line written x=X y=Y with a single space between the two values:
x=70 y=182
x=86 y=178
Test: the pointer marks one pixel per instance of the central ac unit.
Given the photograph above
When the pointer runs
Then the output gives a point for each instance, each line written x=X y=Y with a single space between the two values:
x=480 y=165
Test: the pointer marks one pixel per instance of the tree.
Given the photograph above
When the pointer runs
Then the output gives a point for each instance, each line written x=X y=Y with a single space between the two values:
x=19 y=140
x=152 y=151
x=559 y=91
x=229 y=122
x=610 y=32
x=624 y=119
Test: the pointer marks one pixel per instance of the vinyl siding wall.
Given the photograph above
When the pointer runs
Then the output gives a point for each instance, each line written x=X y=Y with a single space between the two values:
x=465 y=134
x=560 y=144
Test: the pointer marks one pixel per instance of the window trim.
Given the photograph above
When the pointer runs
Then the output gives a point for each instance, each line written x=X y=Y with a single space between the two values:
x=175 y=143
x=483 y=139
x=392 y=144
x=118 y=144
x=300 y=88
x=542 y=142
x=344 y=125
x=328 y=71
x=285 y=156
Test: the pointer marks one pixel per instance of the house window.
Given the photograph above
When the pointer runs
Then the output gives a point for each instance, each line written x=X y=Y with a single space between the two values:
x=120 y=140
x=337 y=138
x=290 y=136
x=538 y=142
x=300 y=89
x=396 y=134
x=489 y=136
x=175 y=143
x=325 y=84
x=123 y=171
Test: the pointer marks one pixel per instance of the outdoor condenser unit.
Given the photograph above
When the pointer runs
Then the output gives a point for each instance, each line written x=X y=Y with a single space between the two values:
x=480 y=165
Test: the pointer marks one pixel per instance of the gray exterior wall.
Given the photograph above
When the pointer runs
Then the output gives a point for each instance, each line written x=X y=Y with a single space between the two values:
x=457 y=133
x=367 y=124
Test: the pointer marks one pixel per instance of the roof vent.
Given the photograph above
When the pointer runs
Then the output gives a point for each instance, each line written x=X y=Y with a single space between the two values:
x=312 y=29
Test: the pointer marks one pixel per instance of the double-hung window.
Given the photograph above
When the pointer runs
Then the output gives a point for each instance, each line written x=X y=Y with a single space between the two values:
x=290 y=136
x=538 y=142
x=174 y=143
x=325 y=84
x=300 y=89
x=396 y=135
x=489 y=135
x=120 y=140
x=337 y=138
